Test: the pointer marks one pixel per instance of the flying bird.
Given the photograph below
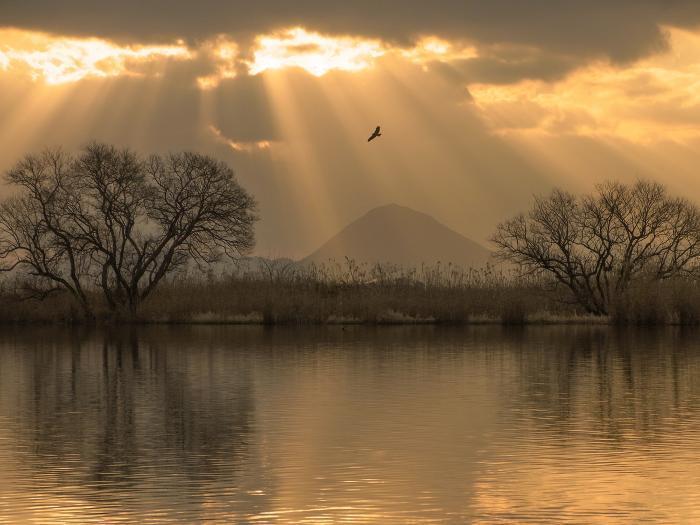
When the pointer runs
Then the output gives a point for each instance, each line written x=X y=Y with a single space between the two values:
x=374 y=135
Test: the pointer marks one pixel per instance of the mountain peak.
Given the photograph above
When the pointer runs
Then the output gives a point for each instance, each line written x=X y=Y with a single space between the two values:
x=393 y=208
x=397 y=234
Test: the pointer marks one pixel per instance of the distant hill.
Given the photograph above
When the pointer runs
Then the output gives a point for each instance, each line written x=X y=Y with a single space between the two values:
x=399 y=235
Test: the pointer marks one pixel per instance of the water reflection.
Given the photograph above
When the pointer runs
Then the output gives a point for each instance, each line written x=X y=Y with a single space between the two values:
x=124 y=426
x=405 y=424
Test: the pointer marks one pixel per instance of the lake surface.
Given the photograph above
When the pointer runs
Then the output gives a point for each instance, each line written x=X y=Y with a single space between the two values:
x=361 y=425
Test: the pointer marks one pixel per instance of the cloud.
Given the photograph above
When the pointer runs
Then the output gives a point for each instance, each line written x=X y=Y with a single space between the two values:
x=58 y=60
x=506 y=64
x=312 y=52
x=654 y=99
x=223 y=53
x=622 y=31
x=242 y=110
x=240 y=146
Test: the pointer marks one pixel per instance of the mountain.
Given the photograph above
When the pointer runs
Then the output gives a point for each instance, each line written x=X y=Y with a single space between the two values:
x=399 y=235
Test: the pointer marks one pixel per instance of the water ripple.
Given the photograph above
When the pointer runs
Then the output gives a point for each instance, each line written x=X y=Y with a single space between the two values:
x=399 y=425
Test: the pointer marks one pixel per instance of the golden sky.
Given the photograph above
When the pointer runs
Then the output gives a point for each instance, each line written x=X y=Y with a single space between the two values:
x=481 y=106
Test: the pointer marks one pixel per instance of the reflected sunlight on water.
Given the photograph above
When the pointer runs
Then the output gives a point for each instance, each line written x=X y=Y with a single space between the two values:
x=363 y=425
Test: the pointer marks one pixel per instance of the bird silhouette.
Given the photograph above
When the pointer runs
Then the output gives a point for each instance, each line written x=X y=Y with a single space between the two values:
x=374 y=135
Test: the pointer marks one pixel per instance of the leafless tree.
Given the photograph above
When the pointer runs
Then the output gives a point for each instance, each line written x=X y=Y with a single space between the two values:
x=597 y=245
x=114 y=221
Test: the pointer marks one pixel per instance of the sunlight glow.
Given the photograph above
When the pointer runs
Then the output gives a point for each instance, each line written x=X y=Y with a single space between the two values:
x=224 y=54
x=657 y=98
x=316 y=53
x=58 y=60
x=432 y=48
x=247 y=147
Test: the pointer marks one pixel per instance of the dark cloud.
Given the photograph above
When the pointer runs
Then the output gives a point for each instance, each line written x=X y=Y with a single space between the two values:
x=622 y=30
x=243 y=110
x=508 y=66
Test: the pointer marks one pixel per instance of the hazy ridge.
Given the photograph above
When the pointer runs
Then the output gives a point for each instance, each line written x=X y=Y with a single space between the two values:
x=399 y=235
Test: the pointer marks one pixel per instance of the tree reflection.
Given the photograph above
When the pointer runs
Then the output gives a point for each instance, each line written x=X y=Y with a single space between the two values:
x=140 y=420
x=613 y=379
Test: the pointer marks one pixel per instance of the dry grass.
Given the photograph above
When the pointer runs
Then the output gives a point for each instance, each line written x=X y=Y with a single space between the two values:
x=674 y=301
x=348 y=293
x=351 y=293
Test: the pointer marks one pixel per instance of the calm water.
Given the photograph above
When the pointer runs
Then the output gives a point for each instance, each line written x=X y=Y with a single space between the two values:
x=391 y=425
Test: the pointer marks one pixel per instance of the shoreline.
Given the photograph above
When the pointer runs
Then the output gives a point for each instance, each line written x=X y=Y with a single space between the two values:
x=387 y=322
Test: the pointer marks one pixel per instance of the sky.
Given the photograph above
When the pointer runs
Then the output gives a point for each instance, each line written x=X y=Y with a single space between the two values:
x=481 y=104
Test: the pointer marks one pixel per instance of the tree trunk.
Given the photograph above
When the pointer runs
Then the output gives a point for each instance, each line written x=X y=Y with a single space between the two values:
x=87 y=310
x=133 y=306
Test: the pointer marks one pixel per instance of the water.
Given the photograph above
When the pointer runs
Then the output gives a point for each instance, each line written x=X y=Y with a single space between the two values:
x=391 y=425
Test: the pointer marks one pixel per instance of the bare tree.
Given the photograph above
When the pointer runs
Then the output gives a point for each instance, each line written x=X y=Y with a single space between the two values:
x=597 y=245
x=113 y=221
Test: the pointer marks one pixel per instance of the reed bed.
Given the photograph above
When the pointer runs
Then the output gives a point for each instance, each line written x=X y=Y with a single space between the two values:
x=347 y=292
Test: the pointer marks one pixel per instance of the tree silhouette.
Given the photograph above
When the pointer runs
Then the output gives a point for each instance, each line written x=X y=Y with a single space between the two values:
x=597 y=245
x=114 y=221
